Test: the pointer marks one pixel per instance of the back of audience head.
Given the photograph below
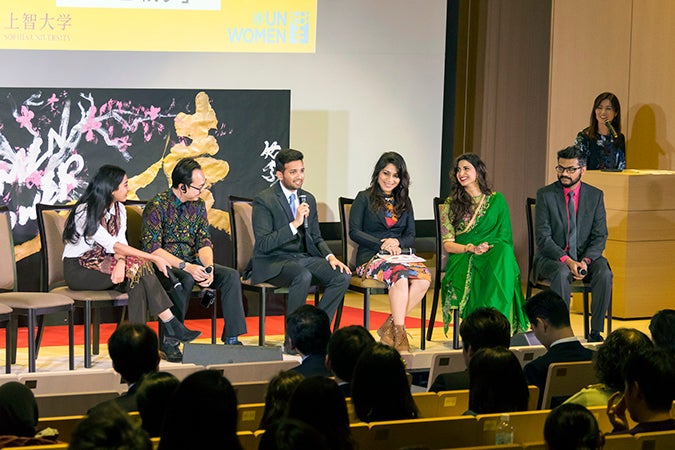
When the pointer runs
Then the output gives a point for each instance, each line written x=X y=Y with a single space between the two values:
x=572 y=427
x=344 y=348
x=613 y=353
x=652 y=371
x=18 y=410
x=380 y=387
x=549 y=306
x=279 y=392
x=485 y=327
x=318 y=402
x=308 y=328
x=662 y=329
x=292 y=434
x=134 y=351
x=153 y=397
x=109 y=428
x=202 y=414
x=497 y=383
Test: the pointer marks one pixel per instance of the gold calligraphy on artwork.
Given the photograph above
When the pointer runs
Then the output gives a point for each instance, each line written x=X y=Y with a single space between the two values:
x=203 y=147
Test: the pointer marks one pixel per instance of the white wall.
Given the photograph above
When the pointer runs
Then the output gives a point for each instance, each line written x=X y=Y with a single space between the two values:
x=375 y=83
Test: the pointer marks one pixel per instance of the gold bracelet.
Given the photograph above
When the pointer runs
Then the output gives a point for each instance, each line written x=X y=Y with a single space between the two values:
x=123 y=258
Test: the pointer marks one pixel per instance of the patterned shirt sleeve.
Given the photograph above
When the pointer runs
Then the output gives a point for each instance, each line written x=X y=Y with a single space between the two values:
x=447 y=230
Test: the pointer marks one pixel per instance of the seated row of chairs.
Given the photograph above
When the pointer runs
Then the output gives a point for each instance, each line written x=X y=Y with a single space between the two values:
x=465 y=432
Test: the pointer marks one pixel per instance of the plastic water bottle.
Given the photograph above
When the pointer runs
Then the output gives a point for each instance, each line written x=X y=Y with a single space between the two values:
x=504 y=434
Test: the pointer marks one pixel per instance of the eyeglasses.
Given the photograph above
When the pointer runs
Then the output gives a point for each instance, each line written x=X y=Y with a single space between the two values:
x=200 y=189
x=567 y=170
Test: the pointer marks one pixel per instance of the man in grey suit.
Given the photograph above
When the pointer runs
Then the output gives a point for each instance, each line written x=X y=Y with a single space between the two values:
x=571 y=232
x=289 y=250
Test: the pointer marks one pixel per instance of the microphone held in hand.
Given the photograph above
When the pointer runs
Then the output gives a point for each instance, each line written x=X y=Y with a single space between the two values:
x=303 y=199
x=582 y=272
x=175 y=282
x=611 y=129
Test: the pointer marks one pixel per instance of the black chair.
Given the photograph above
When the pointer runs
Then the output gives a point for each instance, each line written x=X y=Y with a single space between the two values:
x=32 y=305
x=441 y=263
x=542 y=284
x=367 y=286
x=5 y=317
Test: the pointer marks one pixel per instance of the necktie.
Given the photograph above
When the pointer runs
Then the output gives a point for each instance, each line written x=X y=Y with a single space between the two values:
x=291 y=202
x=572 y=242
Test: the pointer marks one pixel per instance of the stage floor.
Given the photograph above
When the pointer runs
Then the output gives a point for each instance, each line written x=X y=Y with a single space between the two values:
x=55 y=358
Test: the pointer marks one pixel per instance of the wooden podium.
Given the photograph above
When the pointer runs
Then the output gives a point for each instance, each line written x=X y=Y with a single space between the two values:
x=640 y=249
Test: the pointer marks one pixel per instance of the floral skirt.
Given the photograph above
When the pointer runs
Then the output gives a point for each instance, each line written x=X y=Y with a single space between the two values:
x=390 y=272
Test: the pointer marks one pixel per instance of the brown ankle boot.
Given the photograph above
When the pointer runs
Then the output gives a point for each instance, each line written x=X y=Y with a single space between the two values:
x=401 y=338
x=386 y=332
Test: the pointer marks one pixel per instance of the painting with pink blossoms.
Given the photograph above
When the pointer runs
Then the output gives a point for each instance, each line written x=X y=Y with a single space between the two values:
x=52 y=140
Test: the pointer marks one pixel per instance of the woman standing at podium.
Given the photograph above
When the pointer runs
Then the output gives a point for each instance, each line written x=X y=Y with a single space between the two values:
x=482 y=270
x=602 y=142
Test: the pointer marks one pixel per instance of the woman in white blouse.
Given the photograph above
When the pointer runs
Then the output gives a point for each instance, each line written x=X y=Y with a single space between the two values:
x=98 y=257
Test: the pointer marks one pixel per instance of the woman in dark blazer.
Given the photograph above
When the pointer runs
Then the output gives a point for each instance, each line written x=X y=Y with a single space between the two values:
x=382 y=223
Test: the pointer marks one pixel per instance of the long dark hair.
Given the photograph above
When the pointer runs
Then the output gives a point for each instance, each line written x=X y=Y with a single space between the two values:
x=97 y=198
x=616 y=122
x=497 y=383
x=380 y=388
x=461 y=202
x=400 y=192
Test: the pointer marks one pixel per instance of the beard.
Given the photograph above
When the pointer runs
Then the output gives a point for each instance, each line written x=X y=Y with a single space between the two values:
x=567 y=181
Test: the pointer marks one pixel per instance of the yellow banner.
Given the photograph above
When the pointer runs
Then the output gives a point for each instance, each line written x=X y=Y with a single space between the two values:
x=270 y=26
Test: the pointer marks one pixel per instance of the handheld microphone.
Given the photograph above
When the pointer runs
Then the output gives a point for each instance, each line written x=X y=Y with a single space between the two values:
x=582 y=272
x=175 y=282
x=303 y=199
x=611 y=129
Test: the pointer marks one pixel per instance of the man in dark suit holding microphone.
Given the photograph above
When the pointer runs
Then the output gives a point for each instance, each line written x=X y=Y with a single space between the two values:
x=289 y=250
x=571 y=232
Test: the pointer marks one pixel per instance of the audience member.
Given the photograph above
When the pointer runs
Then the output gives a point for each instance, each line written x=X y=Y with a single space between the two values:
x=662 y=329
x=609 y=365
x=292 y=434
x=648 y=395
x=109 y=428
x=176 y=227
x=344 y=348
x=550 y=321
x=202 y=414
x=279 y=392
x=483 y=328
x=318 y=402
x=289 y=250
x=308 y=332
x=19 y=417
x=570 y=246
x=572 y=427
x=497 y=382
x=134 y=353
x=153 y=398
x=380 y=387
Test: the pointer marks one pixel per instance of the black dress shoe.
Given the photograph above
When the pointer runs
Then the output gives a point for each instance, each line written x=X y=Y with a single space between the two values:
x=595 y=337
x=169 y=351
x=176 y=330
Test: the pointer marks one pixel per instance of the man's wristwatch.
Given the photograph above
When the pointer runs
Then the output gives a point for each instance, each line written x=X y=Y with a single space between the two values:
x=181 y=266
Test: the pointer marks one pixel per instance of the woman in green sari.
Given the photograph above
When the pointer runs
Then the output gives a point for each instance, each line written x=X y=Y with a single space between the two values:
x=476 y=230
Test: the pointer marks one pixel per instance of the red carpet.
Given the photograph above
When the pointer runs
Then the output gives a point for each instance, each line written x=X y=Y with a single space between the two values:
x=274 y=325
